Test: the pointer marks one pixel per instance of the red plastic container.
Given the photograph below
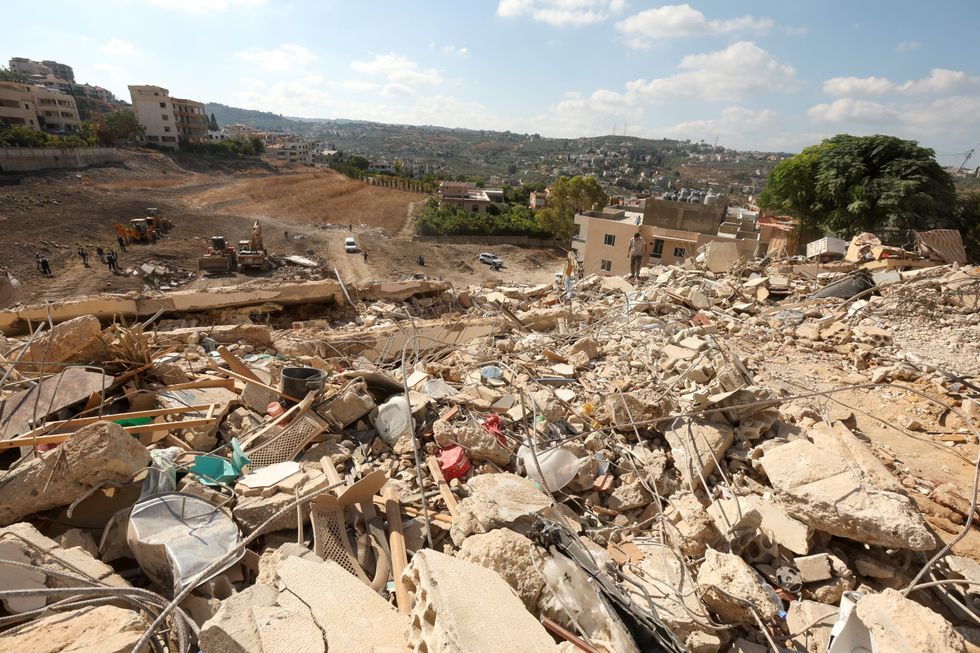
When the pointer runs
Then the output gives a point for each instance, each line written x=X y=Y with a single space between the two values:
x=453 y=462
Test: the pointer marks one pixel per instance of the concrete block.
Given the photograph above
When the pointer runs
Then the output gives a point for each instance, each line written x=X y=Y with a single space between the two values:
x=695 y=444
x=814 y=568
x=251 y=621
x=102 y=629
x=900 y=624
x=821 y=489
x=353 y=618
x=448 y=616
x=101 y=453
x=497 y=501
x=724 y=576
x=811 y=623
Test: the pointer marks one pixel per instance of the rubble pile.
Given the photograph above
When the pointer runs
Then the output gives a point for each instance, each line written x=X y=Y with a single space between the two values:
x=160 y=275
x=489 y=469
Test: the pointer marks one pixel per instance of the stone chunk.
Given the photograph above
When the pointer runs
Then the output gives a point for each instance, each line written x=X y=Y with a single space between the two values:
x=776 y=524
x=252 y=622
x=819 y=488
x=350 y=405
x=514 y=557
x=461 y=607
x=102 y=629
x=811 y=622
x=101 y=453
x=353 y=618
x=695 y=444
x=900 y=624
x=497 y=501
x=814 y=568
x=729 y=583
x=74 y=339
x=477 y=442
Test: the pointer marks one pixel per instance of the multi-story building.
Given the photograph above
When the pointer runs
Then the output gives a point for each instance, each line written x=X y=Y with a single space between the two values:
x=155 y=113
x=60 y=70
x=168 y=121
x=464 y=195
x=96 y=92
x=538 y=199
x=56 y=112
x=192 y=124
x=603 y=240
x=38 y=108
x=294 y=151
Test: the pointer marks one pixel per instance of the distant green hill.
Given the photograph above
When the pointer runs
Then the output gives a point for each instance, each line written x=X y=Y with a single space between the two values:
x=262 y=120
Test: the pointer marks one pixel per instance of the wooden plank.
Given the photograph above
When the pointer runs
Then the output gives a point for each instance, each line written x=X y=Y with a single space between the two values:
x=85 y=421
x=399 y=554
x=447 y=494
x=236 y=364
x=415 y=512
x=57 y=438
x=245 y=379
x=228 y=384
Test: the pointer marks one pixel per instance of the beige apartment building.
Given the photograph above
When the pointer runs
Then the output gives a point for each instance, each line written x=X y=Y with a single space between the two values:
x=293 y=151
x=168 y=121
x=602 y=243
x=464 y=195
x=38 y=108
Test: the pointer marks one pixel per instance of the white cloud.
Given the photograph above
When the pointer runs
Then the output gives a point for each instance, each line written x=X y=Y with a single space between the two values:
x=939 y=80
x=849 y=110
x=907 y=46
x=397 y=69
x=673 y=21
x=360 y=85
x=397 y=89
x=287 y=56
x=733 y=122
x=454 y=51
x=119 y=48
x=846 y=86
x=561 y=13
x=723 y=75
x=205 y=6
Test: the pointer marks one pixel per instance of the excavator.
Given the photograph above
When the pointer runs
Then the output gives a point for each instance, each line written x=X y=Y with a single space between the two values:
x=160 y=223
x=220 y=257
x=251 y=253
x=139 y=230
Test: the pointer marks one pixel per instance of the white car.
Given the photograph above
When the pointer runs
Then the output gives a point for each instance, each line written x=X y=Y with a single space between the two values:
x=490 y=259
x=350 y=246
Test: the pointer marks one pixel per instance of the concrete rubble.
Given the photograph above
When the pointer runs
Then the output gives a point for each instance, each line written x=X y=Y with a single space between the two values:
x=408 y=466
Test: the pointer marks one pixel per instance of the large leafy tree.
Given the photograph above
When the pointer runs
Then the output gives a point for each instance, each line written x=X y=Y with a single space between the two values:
x=568 y=196
x=848 y=184
x=124 y=125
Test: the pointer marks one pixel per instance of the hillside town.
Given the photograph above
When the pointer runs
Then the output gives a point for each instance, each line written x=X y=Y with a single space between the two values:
x=271 y=384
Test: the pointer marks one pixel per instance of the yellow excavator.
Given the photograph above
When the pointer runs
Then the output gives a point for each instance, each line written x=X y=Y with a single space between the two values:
x=251 y=253
x=139 y=230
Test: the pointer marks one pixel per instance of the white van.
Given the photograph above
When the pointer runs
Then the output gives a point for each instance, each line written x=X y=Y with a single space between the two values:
x=349 y=245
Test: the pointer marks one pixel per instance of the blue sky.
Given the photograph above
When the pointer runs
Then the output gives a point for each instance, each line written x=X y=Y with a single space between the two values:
x=753 y=74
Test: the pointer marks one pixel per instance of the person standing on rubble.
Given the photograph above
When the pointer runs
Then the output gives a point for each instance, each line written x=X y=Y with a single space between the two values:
x=44 y=266
x=101 y=254
x=82 y=254
x=635 y=255
x=122 y=243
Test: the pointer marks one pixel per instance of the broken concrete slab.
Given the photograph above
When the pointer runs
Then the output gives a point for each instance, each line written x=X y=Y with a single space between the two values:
x=900 y=624
x=719 y=256
x=450 y=617
x=353 y=403
x=696 y=445
x=76 y=339
x=475 y=439
x=352 y=617
x=98 y=454
x=819 y=488
x=251 y=621
x=813 y=568
x=498 y=501
x=810 y=623
x=102 y=629
x=731 y=586
x=513 y=557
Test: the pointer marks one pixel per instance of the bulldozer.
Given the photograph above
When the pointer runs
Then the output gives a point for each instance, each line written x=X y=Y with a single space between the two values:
x=251 y=253
x=220 y=257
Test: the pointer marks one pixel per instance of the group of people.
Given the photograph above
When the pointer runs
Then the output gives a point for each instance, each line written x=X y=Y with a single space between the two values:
x=108 y=258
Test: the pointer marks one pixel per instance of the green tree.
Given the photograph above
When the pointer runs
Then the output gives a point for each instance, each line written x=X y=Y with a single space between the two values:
x=20 y=136
x=848 y=184
x=568 y=197
x=8 y=75
x=359 y=162
x=968 y=222
x=124 y=126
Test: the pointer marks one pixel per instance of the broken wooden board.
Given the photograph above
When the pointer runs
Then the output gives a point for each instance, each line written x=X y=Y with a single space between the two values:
x=51 y=395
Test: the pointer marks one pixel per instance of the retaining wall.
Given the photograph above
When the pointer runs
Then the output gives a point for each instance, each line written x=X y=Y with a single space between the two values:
x=29 y=159
x=520 y=241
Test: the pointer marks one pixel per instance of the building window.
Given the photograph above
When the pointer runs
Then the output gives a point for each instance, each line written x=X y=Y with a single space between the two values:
x=164 y=117
x=476 y=209
x=163 y=105
x=609 y=239
x=658 y=249
x=166 y=129
x=679 y=252
x=606 y=265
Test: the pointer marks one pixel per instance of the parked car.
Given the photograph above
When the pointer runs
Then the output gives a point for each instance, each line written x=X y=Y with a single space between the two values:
x=490 y=259
x=350 y=246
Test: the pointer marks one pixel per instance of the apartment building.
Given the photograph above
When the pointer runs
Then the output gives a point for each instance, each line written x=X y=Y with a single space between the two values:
x=168 y=121
x=538 y=199
x=191 y=121
x=602 y=243
x=293 y=151
x=56 y=112
x=38 y=108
